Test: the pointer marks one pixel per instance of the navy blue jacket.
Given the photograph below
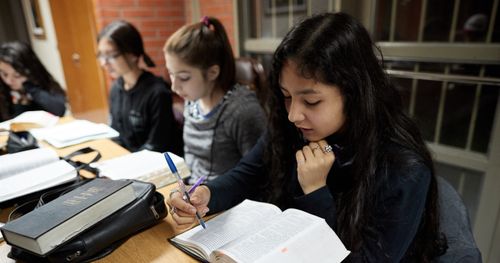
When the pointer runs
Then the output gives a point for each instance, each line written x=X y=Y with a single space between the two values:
x=399 y=206
x=41 y=99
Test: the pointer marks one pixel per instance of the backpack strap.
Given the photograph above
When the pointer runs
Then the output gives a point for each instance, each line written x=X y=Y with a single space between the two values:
x=82 y=165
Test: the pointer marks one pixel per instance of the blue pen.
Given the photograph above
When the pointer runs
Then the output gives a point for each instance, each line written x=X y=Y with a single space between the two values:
x=172 y=167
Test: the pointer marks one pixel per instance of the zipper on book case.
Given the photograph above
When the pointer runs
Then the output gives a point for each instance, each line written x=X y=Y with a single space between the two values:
x=75 y=255
x=154 y=212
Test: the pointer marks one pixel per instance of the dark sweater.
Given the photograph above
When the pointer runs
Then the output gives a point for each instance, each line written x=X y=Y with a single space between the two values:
x=399 y=206
x=41 y=99
x=143 y=115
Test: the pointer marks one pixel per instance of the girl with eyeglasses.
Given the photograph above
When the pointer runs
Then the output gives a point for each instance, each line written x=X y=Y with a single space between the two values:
x=140 y=102
x=25 y=84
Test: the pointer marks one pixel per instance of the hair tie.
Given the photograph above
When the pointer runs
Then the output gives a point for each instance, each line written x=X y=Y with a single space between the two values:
x=205 y=21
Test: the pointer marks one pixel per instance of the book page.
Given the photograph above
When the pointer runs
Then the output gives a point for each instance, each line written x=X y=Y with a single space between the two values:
x=15 y=163
x=74 y=132
x=37 y=118
x=36 y=179
x=294 y=236
x=247 y=217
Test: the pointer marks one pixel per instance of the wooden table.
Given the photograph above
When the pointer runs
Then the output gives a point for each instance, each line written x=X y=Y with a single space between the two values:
x=150 y=245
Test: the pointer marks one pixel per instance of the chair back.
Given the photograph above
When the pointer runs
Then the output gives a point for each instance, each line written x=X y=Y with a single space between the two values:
x=455 y=225
x=250 y=72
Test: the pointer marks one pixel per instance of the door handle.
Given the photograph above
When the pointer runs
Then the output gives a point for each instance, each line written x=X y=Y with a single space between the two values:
x=75 y=57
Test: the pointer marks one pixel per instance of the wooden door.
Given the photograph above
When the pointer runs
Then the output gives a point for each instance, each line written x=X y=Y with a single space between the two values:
x=75 y=28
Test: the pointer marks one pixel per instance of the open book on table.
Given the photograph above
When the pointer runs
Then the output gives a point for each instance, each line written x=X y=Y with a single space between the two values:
x=29 y=120
x=30 y=171
x=260 y=232
x=147 y=166
x=74 y=132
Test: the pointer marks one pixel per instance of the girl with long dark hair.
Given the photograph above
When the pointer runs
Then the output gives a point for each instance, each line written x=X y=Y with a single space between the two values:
x=25 y=84
x=338 y=146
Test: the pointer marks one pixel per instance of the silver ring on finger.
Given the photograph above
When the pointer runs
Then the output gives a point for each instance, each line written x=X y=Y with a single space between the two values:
x=173 y=192
x=172 y=210
x=328 y=149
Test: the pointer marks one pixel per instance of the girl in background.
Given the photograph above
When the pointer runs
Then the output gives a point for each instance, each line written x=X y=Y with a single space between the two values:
x=25 y=84
x=140 y=102
x=339 y=146
x=222 y=120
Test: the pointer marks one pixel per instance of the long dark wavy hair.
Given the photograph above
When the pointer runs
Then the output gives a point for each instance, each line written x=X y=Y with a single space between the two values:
x=21 y=57
x=335 y=49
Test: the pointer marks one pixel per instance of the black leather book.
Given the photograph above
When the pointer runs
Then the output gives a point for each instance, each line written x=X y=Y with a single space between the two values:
x=45 y=228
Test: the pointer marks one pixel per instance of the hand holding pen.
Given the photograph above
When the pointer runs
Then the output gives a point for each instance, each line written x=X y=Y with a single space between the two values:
x=183 y=206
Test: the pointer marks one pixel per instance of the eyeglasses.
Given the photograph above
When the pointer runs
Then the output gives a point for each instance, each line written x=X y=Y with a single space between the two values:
x=111 y=58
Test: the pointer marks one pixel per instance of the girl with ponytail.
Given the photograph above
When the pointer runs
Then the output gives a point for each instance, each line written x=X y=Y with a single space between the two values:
x=222 y=120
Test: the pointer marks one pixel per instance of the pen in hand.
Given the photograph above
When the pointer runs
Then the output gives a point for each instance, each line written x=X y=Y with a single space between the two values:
x=198 y=182
x=183 y=189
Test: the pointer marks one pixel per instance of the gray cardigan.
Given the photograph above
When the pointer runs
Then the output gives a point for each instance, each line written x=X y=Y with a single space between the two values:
x=238 y=121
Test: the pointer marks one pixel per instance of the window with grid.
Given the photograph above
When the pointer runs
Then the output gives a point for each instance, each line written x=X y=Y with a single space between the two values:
x=443 y=56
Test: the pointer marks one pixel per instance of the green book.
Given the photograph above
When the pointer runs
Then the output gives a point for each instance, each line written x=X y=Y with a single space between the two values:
x=43 y=229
